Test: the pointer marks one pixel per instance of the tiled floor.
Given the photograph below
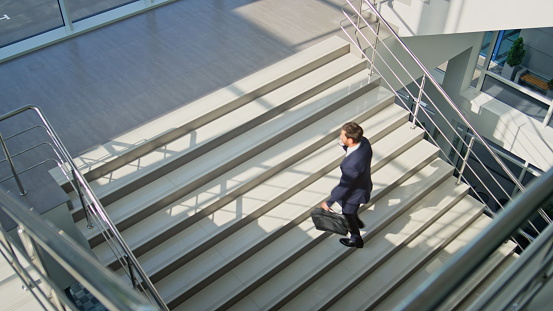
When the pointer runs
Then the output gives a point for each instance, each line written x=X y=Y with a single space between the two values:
x=83 y=299
x=104 y=83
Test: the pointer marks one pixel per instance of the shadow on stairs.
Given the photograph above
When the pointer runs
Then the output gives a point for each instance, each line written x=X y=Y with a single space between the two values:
x=214 y=199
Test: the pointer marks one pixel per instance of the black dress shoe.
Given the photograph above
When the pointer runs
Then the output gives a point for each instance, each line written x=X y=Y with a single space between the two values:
x=349 y=243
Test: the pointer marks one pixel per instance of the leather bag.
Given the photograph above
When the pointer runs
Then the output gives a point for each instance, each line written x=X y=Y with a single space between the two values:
x=329 y=221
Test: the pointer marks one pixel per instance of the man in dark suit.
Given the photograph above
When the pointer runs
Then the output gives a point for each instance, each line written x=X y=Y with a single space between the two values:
x=355 y=184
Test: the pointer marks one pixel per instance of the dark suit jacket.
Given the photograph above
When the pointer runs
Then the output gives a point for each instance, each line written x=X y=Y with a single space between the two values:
x=355 y=184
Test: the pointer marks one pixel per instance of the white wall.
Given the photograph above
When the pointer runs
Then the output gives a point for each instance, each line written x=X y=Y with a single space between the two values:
x=511 y=129
x=539 y=50
x=507 y=127
x=430 y=17
x=432 y=51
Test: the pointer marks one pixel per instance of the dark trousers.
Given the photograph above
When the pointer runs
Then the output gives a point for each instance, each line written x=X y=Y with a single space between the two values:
x=354 y=223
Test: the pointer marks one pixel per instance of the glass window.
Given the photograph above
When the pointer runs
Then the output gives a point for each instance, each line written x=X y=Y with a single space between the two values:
x=504 y=45
x=21 y=19
x=522 y=102
x=486 y=44
x=81 y=9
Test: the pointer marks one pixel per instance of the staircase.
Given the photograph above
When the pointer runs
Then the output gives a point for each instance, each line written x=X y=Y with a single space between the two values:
x=214 y=198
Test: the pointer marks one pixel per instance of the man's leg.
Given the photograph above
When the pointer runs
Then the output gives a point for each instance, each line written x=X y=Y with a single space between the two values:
x=360 y=223
x=354 y=226
x=350 y=213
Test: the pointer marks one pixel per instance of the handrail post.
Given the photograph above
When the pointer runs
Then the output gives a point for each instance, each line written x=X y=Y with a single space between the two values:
x=86 y=208
x=548 y=115
x=36 y=234
x=359 y=15
x=465 y=159
x=95 y=204
x=417 y=102
x=22 y=190
x=371 y=72
x=31 y=249
x=433 y=291
x=445 y=96
x=131 y=272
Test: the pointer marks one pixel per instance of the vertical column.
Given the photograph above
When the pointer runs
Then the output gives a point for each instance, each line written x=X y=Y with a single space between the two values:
x=65 y=16
x=486 y=65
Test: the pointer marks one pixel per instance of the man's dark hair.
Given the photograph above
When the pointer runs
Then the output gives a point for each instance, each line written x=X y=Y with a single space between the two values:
x=353 y=131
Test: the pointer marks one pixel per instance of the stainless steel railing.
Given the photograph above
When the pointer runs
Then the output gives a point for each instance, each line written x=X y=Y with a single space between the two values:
x=444 y=281
x=94 y=210
x=34 y=233
x=400 y=69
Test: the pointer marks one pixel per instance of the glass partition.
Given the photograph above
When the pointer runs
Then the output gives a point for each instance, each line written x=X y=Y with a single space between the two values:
x=27 y=25
x=22 y=19
x=81 y=9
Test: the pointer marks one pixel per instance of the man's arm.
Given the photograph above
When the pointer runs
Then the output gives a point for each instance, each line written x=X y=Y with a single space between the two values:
x=350 y=173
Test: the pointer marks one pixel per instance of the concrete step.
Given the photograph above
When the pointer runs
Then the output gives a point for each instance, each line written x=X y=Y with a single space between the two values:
x=255 y=235
x=232 y=120
x=236 y=121
x=482 y=278
x=181 y=150
x=261 y=199
x=406 y=286
x=293 y=213
x=498 y=264
x=182 y=227
x=211 y=196
x=124 y=149
x=222 y=158
x=393 y=252
x=20 y=298
x=306 y=271
x=407 y=261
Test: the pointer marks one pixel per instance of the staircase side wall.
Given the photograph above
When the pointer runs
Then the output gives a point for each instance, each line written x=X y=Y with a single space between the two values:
x=431 y=17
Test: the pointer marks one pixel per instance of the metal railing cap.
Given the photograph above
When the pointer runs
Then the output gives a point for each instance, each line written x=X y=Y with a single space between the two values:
x=444 y=281
x=108 y=289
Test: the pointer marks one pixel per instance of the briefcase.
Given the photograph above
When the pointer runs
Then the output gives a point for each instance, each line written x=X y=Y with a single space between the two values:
x=329 y=221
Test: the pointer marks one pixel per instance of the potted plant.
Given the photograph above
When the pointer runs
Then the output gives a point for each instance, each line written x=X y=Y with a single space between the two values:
x=514 y=59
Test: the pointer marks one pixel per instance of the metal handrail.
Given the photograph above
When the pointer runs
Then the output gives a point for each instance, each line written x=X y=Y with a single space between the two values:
x=26 y=278
x=94 y=208
x=22 y=190
x=417 y=98
x=429 y=76
x=108 y=289
x=465 y=164
x=450 y=277
x=420 y=86
x=445 y=280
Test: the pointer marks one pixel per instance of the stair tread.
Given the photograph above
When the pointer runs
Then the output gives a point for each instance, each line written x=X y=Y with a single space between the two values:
x=485 y=273
x=293 y=276
x=302 y=203
x=212 y=159
x=312 y=56
x=216 y=223
x=387 y=275
x=201 y=136
x=501 y=265
x=176 y=212
x=443 y=256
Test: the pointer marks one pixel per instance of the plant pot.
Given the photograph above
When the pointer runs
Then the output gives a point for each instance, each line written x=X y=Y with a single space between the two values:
x=508 y=72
